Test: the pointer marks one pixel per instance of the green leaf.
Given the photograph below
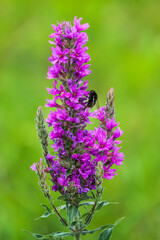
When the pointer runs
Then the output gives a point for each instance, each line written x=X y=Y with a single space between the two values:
x=63 y=207
x=93 y=196
x=118 y=221
x=80 y=223
x=92 y=203
x=34 y=234
x=73 y=223
x=90 y=219
x=47 y=208
x=85 y=231
x=106 y=234
x=63 y=222
x=99 y=206
x=86 y=209
x=84 y=215
x=86 y=204
x=45 y=215
x=58 y=235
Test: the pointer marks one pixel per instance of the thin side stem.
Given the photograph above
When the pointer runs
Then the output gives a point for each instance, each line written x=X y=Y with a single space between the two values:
x=62 y=219
x=90 y=215
x=59 y=215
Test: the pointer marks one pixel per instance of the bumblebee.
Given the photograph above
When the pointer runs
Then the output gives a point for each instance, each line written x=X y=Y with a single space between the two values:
x=92 y=99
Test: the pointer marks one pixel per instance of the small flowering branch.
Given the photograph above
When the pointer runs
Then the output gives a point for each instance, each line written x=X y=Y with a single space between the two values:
x=41 y=172
x=79 y=159
x=42 y=182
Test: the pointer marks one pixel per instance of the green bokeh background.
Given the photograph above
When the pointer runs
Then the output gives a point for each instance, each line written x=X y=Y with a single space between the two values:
x=124 y=44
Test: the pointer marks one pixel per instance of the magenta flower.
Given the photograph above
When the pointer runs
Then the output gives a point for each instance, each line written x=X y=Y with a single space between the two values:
x=34 y=167
x=58 y=55
x=117 y=133
x=54 y=71
x=109 y=173
x=78 y=26
x=100 y=114
x=81 y=69
x=79 y=53
x=111 y=124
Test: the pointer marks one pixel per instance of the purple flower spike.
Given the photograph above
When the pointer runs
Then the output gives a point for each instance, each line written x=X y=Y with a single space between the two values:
x=77 y=151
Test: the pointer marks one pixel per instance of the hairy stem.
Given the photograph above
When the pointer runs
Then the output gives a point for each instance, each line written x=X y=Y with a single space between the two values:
x=78 y=235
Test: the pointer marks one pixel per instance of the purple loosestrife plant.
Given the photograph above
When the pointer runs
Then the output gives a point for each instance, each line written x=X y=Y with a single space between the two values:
x=80 y=159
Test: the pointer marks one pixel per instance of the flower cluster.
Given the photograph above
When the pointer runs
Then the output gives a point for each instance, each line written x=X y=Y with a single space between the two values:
x=77 y=151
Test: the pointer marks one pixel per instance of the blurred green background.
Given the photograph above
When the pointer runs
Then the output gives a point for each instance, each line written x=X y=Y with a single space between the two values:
x=124 y=44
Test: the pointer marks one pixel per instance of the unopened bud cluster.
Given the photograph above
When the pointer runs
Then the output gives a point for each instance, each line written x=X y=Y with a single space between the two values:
x=99 y=180
x=41 y=131
x=109 y=108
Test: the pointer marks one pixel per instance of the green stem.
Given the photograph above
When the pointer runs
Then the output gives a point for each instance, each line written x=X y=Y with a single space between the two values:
x=77 y=235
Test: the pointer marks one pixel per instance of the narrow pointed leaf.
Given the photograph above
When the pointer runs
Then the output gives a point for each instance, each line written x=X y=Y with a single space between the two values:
x=100 y=205
x=73 y=223
x=80 y=223
x=63 y=207
x=57 y=235
x=93 y=195
x=84 y=215
x=47 y=208
x=86 y=204
x=90 y=219
x=106 y=234
x=45 y=215
x=85 y=231
x=36 y=235
x=118 y=221
x=63 y=222
x=92 y=203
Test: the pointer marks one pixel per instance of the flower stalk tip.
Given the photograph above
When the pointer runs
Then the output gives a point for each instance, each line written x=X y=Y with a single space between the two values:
x=41 y=131
x=109 y=108
x=99 y=180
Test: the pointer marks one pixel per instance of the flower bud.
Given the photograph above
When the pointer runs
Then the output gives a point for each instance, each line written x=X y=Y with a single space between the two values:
x=41 y=131
x=109 y=108
x=99 y=179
